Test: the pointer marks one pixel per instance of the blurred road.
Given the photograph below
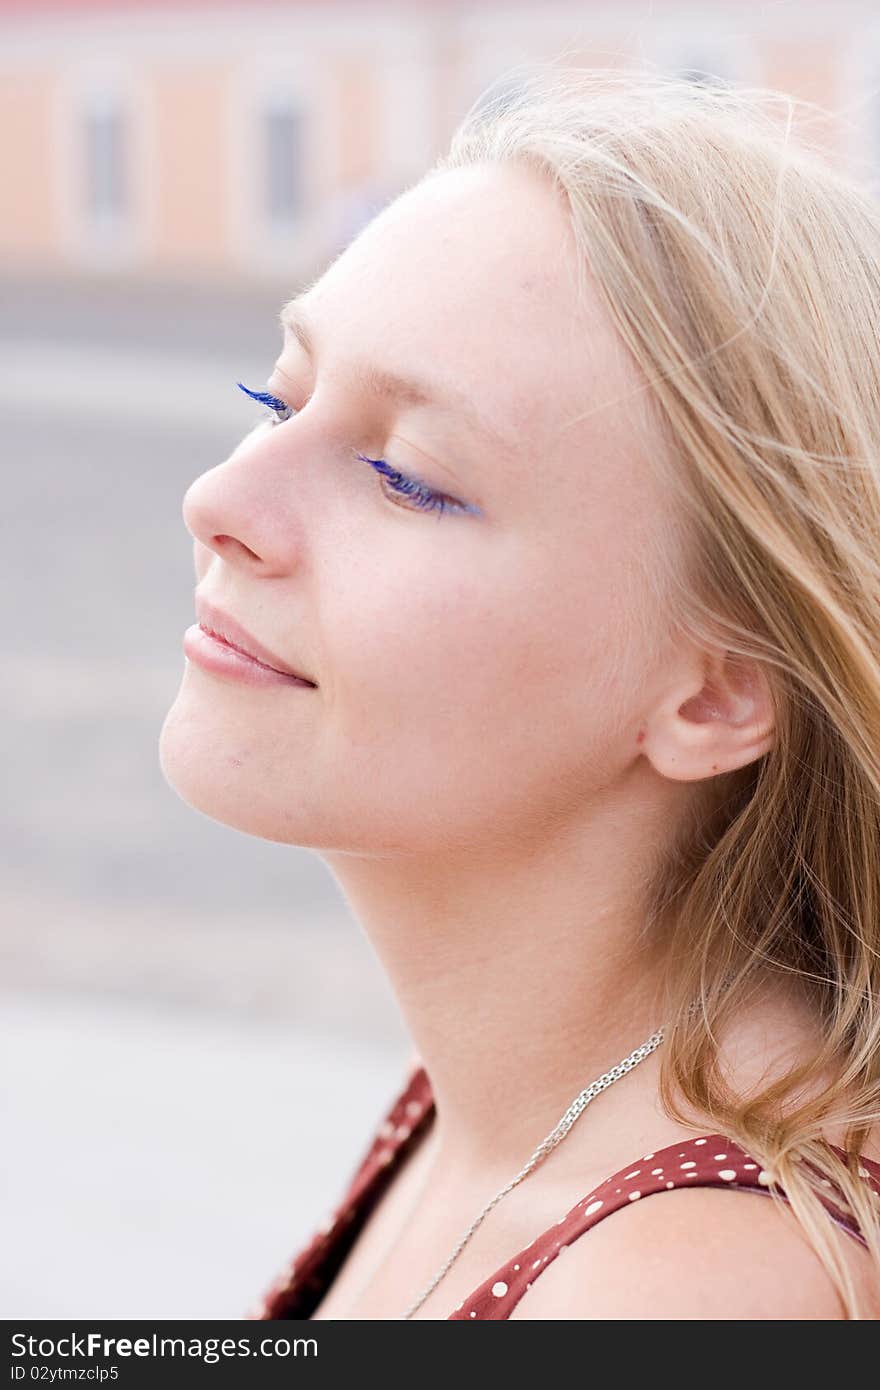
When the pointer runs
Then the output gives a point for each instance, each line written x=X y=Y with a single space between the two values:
x=161 y=1166
x=179 y=1001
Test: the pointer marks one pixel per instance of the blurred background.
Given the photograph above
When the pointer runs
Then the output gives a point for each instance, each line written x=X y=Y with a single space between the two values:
x=198 y=1041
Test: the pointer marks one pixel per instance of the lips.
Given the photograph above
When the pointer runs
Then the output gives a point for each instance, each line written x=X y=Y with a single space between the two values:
x=220 y=624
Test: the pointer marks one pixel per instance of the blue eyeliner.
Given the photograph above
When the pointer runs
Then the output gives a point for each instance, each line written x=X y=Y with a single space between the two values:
x=424 y=497
x=263 y=397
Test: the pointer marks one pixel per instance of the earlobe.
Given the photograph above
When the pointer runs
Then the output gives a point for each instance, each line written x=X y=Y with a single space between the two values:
x=724 y=724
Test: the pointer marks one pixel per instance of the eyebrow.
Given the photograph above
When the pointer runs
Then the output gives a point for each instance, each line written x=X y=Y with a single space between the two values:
x=388 y=385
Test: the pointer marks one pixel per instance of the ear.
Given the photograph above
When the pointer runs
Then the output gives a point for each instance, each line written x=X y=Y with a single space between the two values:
x=719 y=718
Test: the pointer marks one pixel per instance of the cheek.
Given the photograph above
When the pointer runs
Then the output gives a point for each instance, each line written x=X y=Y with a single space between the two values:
x=440 y=685
x=409 y=665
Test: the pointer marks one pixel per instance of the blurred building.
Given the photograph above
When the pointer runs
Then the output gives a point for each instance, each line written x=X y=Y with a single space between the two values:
x=223 y=139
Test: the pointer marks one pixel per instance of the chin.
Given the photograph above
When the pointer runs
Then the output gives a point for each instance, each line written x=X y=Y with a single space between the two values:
x=208 y=760
x=200 y=764
x=189 y=766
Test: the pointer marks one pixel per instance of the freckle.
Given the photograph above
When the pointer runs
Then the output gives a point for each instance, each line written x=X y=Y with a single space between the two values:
x=714 y=767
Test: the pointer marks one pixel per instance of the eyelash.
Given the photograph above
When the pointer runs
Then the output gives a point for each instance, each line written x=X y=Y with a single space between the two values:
x=424 y=497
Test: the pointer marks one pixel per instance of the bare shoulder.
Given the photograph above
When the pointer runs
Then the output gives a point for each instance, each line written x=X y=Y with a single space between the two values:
x=700 y=1253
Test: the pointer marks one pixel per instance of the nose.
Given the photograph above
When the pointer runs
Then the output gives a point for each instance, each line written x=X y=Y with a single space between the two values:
x=240 y=511
x=205 y=517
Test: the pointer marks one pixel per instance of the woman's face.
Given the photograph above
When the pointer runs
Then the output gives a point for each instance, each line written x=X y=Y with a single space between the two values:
x=480 y=673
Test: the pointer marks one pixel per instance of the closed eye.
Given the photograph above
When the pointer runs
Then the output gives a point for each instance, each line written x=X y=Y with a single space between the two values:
x=280 y=411
x=422 y=496
x=402 y=485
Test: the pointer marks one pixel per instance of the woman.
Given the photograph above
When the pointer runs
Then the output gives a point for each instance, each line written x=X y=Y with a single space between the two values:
x=566 y=513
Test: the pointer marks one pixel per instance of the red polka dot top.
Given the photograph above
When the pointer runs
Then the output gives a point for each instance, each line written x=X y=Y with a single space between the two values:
x=709 y=1161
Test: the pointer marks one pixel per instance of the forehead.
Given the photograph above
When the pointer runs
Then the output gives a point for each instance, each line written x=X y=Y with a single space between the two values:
x=470 y=277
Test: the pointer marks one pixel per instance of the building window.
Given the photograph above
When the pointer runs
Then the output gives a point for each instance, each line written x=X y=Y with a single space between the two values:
x=105 y=141
x=283 y=163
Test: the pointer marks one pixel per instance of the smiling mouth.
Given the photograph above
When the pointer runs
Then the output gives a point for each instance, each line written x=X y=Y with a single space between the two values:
x=218 y=637
x=249 y=656
x=223 y=632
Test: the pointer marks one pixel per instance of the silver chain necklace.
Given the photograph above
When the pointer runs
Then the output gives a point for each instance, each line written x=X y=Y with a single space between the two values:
x=558 y=1133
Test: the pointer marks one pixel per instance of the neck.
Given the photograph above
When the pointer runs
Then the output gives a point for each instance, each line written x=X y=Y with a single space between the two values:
x=521 y=978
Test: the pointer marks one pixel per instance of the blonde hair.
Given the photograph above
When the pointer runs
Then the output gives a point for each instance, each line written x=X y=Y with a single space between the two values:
x=743 y=273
